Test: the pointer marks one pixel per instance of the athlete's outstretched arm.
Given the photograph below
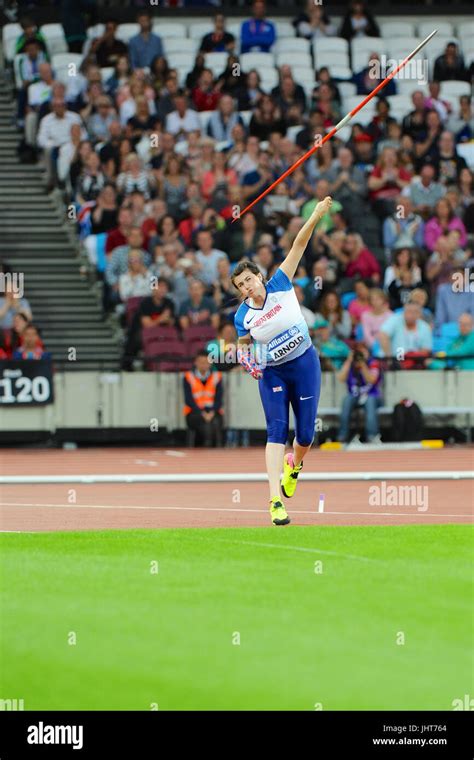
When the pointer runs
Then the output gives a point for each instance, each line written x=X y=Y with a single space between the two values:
x=290 y=264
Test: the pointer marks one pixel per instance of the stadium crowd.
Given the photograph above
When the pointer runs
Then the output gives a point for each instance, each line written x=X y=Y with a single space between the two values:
x=159 y=168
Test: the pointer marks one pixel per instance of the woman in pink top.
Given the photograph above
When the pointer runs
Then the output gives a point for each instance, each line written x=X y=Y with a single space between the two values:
x=359 y=260
x=360 y=304
x=373 y=319
x=218 y=179
x=441 y=223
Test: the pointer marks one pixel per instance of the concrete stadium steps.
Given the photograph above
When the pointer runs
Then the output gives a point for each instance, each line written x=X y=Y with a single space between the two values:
x=36 y=240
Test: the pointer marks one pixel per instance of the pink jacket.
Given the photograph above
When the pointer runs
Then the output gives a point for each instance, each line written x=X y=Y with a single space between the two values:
x=433 y=231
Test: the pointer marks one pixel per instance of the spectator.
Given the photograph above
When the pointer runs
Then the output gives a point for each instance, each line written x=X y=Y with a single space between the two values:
x=347 y=184
x=98 y=124
x=157 y=309
x=427 y=138
x=191 y=224
x=287 y=92
x=443 y=222
x=414 y=123
x=371 y=76
x=450 y=65
x=244 y=241
x=135 y=177
x=203 y=401
x=107 y=49
x=91 y=180
x=182 y=120
x=406 y=333
x=120 y=77
x=224 y=293
x=451 y=300
x=359 y=260
x=461 y=125
x=145 y=46
x=443 y=107
x=39 y=93
x=363 y=379
x=136 y=281
x=249 y=93
x=448 y=163
x=218 y=41
x=221 y=351
x=424 y=192
x=403 y=268
x=403 y=229
x=332 y=349
x=216 y=183
x=314 y=23
x=223 y=120
x=460 y=352
x=11 y=304
x=27 y=74
x=166 y=233
x=206 y=94
x=173 y=187
x=358 y=22
x=30 y=32
x=104 y=215
x=373 y=319
x=31 y=345
x=326 y=224
x=55 y=131
x=257 y=34
x=361 y=303
x=330 y=309
x=142 y=123
x=14 y=336
x=119 y=236
x=266 y=119
x=386 y=181
x=117 y=264
x=446 y=257
x=166 y=103
x=199 y=309
x=309 y=316
x=207 y=257
x=174 y=269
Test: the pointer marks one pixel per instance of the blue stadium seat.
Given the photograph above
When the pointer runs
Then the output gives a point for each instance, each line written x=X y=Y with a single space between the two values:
x=449 y=330
x=346 y=299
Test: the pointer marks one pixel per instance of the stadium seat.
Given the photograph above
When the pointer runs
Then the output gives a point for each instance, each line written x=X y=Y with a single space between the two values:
x=246 y=116
x=325 y=44
x=364 y=46
x=95 y=31
x=283 y=29
x=269 y=78
x=62 y=60
x=131 y=308
x=392 y=29
x=440 y=344
x=347 y=89
x=168 y=29
x=291 y=45
x=106 y=72
x=126 y=31
x=256 y=61
x=454 y=89
x=444 y=27
x=197 y=29
x=234 y=28
x=205 y=116
x=177 y=45
x=10 y=34
x=339 y=71
x=164 y=333
x=55 y=39
x=199 y=332
x=408 y=86
x=181 y=61
x=400 y=47
x=294 y=59
x=332 y=58
x=216 y=62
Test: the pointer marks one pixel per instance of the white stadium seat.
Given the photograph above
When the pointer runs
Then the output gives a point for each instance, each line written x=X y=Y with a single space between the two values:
x=298 y=59
x=126 y=31
x=391 y=29
x=364 y=46
x=176 y=45
x=400 y=47
x=268 y=78
x=339 y=71
x=197 y=29
x=332 y=58
x=204 y=116
x=55 y=39
x=454 y=89
x=444 y=27
x=95 y=31
x=283 y=29
x=106 y=72
x=168 y=29
x=256 y=61
x=234 y=28
x=324 y=44
x=216 y=62
x=62 y=60
x=291 y=45
x=246 y=116
x=181 y=61
x=10 y=34
x=409 y=86
x=347 y=89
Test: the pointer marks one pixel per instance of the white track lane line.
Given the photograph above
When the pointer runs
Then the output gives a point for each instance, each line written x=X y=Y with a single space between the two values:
x=231 y=509
x=310 y=550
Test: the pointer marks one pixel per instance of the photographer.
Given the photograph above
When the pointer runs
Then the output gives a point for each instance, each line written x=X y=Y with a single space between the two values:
x=363 y=377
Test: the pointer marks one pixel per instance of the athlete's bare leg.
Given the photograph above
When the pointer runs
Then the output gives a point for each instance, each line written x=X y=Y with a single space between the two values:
x=274 y=453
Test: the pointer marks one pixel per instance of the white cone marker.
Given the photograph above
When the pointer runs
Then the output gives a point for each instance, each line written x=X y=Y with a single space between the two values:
x=321 y=503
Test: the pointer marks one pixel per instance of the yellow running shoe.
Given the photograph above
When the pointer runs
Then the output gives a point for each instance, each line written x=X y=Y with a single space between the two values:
x=290 y=475
x=278 y=512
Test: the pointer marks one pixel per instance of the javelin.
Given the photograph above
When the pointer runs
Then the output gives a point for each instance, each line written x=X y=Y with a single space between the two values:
x=338 y=126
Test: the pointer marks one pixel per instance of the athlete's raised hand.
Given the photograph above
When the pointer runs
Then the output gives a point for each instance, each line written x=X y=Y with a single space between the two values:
x=323 y=206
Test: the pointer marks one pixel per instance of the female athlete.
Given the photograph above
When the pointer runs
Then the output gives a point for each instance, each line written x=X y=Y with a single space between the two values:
x=286 y=364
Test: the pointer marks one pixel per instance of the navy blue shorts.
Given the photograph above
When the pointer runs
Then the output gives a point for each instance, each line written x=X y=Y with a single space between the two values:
x=296 y=382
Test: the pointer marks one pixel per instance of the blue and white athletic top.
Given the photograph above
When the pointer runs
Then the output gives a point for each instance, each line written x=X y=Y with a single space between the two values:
x=278 y=327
